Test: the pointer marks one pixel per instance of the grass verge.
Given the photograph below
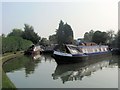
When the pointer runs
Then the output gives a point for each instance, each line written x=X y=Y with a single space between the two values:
x=6 y=82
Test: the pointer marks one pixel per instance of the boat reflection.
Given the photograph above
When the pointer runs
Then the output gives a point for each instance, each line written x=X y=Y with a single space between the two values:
x=77 y=71
x=36 y=57
x=47 y=57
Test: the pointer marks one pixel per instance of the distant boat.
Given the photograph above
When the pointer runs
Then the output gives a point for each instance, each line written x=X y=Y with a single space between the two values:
x=115 y=51
x=75 y=54
x=48 y=49
x=34 y=49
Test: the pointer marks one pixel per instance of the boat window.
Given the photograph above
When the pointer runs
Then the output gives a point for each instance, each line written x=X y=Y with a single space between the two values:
x=102 y=49
x=74 y=51
x=105 y=49
x=97 y=50
x=89 y=50
x=84 y=51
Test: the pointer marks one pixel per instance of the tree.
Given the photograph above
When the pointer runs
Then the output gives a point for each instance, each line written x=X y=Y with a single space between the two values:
x=110 y=35
x=60 y=32
x=88 y=36
x=13 y=44
x=16 y=32
x=64 y=33
x=52 y=39
x=29 y=34
x=44 y=42
x=100 y=37
x=118 y=38
x=68 y=34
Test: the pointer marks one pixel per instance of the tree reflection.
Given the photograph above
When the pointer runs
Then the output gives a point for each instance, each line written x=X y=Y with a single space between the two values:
x=72 y=72
x=29 y=63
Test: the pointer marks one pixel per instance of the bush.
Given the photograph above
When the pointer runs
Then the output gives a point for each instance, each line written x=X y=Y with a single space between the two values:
x=13 y=44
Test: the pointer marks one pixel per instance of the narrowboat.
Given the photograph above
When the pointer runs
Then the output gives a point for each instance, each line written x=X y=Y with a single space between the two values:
x=48 y=49
x=33 y=50
x=74 y=54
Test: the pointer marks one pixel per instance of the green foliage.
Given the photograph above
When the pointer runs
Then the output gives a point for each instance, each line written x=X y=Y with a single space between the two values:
x=88 y=36
x=6 y=82
x=52 y=39
x=13 y=44
x=118 y=38
x=29 y=34
x=44 y=42
x=100 y=37
x=21 y=62
x=16 y=32
x=110 y=37
x=64 y=33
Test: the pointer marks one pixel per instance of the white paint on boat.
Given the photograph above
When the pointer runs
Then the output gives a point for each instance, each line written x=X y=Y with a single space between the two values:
x=62 y=54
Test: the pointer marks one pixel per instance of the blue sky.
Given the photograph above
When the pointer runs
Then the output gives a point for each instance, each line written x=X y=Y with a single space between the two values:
x=45 y=16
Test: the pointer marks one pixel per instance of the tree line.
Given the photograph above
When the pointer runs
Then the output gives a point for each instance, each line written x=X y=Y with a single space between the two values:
x=99 y=37
x=19 y=39
x=63 y=35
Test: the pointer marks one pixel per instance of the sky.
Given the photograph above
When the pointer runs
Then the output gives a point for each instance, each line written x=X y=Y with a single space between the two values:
x=82 y=16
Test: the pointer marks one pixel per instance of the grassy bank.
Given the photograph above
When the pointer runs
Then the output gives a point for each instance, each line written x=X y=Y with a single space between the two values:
x=6 y=82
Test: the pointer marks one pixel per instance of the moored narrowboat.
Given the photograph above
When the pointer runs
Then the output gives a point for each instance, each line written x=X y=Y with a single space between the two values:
x=33 y=50
x=74 y=54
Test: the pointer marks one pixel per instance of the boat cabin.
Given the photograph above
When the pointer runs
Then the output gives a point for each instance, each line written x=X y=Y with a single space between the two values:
x=72 y=49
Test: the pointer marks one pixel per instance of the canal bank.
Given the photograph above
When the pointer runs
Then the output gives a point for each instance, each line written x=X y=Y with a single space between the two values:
x=6 y=82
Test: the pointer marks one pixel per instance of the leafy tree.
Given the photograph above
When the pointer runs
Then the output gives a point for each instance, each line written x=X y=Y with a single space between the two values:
x=13 y=44
x=16 y=32
x=44 y=42
x=29 y=34
x=60 y=32
x=68 y=36
x=118 y=38
x=52 y=39
x=100 y=37
x=88 y=36
x=64 y=33
x=110 y=35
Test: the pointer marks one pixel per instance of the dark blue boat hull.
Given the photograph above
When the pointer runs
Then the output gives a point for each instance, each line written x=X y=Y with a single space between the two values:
x=77 y=59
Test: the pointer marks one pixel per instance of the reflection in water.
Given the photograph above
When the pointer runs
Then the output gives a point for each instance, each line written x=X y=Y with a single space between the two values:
x=118 y=57
x=32 y=64
x=47 y=57
x=36 y=57
x=27 y=62
x=40 y=69
x=77 y=71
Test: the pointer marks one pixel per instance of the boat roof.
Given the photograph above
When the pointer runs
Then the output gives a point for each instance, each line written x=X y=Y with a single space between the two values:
x=81 y=46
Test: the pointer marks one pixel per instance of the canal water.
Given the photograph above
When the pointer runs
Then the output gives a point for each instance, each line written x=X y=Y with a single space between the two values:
x=41 y=71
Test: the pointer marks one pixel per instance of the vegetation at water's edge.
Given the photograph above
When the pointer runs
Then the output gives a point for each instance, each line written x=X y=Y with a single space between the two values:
x=13 y=44
x=6 y=82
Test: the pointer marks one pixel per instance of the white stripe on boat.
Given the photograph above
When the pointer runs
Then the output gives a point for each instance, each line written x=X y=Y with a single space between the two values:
x=62 y=54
